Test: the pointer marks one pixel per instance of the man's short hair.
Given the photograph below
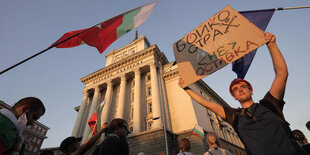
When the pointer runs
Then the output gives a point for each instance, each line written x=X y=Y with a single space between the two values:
x=65 y=144
x=299 y=136
x=116 y=124
x=33 y=103
x=308 y=124
x=185 y=144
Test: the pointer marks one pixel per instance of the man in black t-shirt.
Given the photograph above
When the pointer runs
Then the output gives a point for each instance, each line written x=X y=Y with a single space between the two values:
x=116 y=142
x=261 y=126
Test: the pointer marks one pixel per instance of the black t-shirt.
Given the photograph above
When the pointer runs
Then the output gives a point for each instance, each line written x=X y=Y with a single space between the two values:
x=263 y=129
x=113 y=145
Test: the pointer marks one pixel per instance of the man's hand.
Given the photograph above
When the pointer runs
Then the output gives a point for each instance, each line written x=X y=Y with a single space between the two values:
x=270 y=38
x=104 y=125
x=181 y=82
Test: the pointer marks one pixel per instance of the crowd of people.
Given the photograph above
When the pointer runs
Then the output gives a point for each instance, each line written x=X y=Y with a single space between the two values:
x=261 y=126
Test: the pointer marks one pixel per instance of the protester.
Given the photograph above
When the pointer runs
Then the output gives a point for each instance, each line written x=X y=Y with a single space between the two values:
x=214 y=149
x=71 y=145
x=47 y=152
x=261 y=126
x=308 y=125
x=185 y=147
x=13 y=122
x=301 y=140
x=116 y=142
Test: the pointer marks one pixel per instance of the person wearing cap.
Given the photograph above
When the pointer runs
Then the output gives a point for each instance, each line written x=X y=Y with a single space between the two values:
x=116 y=142
x=71 y=145
x=260 y=126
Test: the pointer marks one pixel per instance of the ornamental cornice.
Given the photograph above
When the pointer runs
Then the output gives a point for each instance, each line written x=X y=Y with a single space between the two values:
x=122 y=63
x=170 y=75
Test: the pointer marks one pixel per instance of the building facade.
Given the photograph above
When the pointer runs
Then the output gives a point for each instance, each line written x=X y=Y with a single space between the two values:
x=139 y=85
x=34 y=134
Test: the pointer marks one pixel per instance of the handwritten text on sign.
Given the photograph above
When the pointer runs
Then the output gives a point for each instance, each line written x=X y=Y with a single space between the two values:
x=222 y=39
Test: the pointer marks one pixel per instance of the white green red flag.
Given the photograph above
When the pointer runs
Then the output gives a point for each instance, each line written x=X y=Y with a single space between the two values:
x=198 y=131
x=94 y=121
x=104 y=34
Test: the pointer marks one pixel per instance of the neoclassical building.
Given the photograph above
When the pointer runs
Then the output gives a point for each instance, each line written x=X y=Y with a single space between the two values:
x=139 y=85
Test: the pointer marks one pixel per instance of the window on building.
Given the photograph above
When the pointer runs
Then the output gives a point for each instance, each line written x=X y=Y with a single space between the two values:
x=34 y=139
x=148 y=78
x=149 y=107
x=29 y=137
x=132 y=96
x=149 y=91
x=25 y=135
x=131 y=113
x=39 y=141
x=42 y=131
x=149 y=125
x=30 y=147
x=35 y=149
x=35 y=127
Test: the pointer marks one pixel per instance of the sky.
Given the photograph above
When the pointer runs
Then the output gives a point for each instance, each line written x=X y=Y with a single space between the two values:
x=28 y=27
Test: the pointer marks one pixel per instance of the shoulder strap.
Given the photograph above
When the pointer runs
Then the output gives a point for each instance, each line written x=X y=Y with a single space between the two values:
x=236 y=119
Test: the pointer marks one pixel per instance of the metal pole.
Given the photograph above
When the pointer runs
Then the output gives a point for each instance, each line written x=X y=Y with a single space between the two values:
x=286 y=8
x=163 y=117
x=44 y=51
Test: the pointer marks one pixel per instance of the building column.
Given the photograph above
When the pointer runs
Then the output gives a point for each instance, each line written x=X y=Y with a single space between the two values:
x=108 y=99
x=121 y=101
x=155 y=97
x=93 y=107
x=79 y=118
x=137 y=102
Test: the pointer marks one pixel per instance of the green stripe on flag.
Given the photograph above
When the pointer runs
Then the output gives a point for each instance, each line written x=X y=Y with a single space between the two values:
x=128 y=23
x=198 y=131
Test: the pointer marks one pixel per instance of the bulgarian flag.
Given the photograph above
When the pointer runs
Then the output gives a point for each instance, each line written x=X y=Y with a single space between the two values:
x=94 y=121
x=104 y=34
x=198 y=131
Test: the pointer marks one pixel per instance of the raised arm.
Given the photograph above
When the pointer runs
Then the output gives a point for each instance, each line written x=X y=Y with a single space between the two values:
x=277 y=89
x=91 y=141
x=216 y=108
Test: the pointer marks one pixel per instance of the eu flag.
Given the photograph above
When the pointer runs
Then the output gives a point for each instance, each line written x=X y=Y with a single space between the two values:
x=261 y=19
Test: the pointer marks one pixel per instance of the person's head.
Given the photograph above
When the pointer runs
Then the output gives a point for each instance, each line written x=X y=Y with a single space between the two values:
x=185 y=145
x=32 y=107
x=119 y=127
x=212 y=140
x=70 y=144
x=241 y=90
x=300 y=137
x=308 y=125
x=47 y=152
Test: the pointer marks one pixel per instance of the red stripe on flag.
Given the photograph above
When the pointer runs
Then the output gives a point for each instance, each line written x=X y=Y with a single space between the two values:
x=97 y=37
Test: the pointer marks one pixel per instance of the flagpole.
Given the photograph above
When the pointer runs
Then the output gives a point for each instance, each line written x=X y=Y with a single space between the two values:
x=286 y=8
x=21 y=62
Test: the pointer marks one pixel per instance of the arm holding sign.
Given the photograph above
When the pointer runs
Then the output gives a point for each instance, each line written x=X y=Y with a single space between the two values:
x=277 y=89
x=216 y=108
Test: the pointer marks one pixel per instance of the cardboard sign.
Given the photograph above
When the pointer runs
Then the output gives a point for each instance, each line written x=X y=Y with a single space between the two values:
x=222 y=39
